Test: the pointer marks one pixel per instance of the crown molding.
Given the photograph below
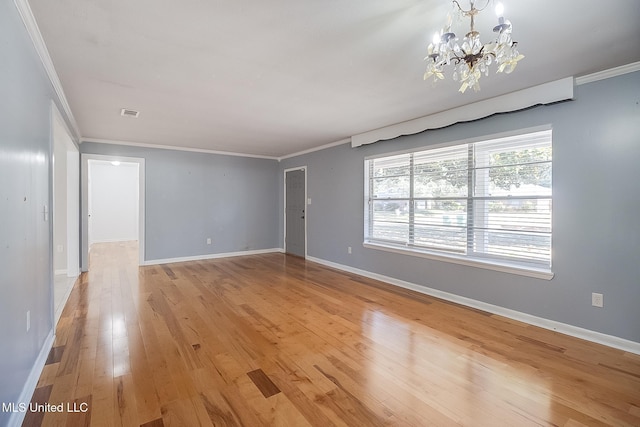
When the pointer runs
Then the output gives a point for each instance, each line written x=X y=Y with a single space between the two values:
x=311 y=150
x=38 y=42
x=607 y=74
x=174 y=148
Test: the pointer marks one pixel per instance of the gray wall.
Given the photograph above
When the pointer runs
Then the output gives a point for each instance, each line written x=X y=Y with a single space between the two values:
x=192 y=196
x=596 y=200
x=25 y=238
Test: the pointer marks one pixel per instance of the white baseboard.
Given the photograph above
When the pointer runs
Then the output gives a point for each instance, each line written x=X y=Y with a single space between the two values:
x=211 y=256
x=66 y=273
x=16 y=418
x=65 y=298
x=574 y=331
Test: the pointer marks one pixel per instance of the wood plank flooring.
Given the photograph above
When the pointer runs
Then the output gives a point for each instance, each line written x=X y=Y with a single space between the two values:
x=276 y=340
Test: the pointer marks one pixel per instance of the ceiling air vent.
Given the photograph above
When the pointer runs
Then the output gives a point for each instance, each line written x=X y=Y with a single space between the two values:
x=129 y=113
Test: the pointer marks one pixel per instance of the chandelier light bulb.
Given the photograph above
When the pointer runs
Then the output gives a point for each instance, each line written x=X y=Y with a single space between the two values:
x=499 y=9
x=436 y=38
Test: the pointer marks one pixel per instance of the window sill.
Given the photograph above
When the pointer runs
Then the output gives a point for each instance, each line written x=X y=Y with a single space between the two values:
x=538 y=273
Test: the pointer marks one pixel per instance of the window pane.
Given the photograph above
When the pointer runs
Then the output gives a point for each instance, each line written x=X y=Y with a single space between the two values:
x=509 y=228
x=391 y=166
x=448 y=238
x=441 y=212
x=392 y=210
x=512 y=198
x=441 y=184
x=441 y=172
x=504 y=154
x=396 y=187
x=390 y=177
x=518 y=180
x=515 y=215
x=441 y=224
x=514 y=166
x=503 y=244
x=527 y=148
x=389 y=221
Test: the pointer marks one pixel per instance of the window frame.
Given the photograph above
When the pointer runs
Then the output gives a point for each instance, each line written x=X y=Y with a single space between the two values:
x=470 y=258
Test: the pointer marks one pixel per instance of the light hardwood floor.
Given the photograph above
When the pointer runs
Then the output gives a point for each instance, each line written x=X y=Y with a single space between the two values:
x=277 y=340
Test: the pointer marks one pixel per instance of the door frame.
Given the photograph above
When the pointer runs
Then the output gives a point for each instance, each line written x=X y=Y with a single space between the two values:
x=72 y=217
x=284 y=207
x=84 y=178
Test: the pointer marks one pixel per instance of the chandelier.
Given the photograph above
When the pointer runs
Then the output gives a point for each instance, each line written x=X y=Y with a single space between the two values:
x=472 y=58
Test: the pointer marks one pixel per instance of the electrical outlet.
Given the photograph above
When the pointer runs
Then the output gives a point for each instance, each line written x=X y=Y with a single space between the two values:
x=349 y=249
x=209 y=241
x=28 y=320
x=597 y=300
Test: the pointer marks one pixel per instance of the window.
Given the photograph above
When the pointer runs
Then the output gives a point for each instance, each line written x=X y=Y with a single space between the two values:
x=487 y=201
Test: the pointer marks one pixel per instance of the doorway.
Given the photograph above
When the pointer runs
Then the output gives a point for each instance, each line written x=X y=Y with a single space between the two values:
x=112 y=202
x=295 y=211
x=66 y=212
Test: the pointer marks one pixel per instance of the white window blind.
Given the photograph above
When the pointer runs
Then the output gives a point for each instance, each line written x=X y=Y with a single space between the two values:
x=488 y=200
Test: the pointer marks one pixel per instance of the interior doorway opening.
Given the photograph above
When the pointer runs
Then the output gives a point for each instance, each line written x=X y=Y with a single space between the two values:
x=112 y=202
x=66 y=212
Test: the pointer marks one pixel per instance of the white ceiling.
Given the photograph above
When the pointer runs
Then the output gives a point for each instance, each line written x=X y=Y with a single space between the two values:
x=282 y=76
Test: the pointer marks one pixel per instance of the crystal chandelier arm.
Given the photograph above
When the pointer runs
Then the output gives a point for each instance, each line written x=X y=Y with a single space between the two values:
x=484 y=7
x=458 y=4
x=472 y=12
x=472 y=8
